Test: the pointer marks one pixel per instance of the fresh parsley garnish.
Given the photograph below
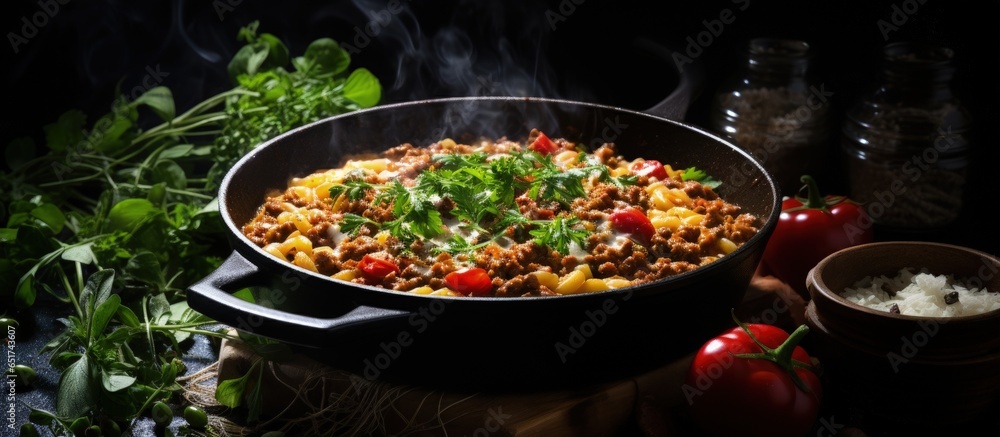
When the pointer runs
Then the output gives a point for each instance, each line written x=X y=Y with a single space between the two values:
x=456 y=245
x=559 y=233
x=482 y=194
x=350 y=223
x=697 y=175
x=354 y=188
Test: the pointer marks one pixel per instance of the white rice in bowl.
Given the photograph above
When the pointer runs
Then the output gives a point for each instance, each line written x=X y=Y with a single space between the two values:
x=920 y=293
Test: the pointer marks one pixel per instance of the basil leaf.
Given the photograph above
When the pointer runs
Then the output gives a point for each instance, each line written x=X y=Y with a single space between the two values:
x=323 y=57
x=169 y=173
x=128 y=317
x=24 y=297
x=230 y=392
x=363 y=88
x=66 y=132
x=112 y=132
x=160 y=100
x=178 y=151
x=145 y=267
x=8 y=235
x=51 y=216
x=125 y=215
x=114 y=380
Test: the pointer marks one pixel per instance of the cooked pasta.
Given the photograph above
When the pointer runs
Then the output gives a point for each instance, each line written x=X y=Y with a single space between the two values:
x=499 y=218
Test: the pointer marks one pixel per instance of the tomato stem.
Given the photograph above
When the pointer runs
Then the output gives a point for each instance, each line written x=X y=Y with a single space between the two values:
x=781 y=355
x=815 y=199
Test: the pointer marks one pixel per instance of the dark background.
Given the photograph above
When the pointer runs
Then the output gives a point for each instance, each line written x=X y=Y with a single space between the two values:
x=558 y=49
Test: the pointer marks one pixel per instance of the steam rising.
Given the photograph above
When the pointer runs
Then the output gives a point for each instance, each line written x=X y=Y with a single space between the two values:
x=483 y=49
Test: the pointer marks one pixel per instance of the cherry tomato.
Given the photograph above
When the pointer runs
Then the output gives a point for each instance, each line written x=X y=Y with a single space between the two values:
x=375 y=269
x=735 y=387
x=809 y=230
x=543 y=145
x=470 y=281
x=649 y=168
x=634 y=222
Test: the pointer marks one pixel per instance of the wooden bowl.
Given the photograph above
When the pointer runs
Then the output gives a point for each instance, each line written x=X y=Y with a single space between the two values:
x=912 y=370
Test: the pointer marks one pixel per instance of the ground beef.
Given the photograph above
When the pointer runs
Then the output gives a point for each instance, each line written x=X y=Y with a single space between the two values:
x=516 y=255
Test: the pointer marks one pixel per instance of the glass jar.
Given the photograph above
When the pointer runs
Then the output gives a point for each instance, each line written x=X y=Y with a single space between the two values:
x=774 y=108
x=906 y=143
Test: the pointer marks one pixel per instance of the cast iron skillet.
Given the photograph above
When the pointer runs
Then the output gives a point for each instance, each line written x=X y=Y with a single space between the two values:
x=485 y=342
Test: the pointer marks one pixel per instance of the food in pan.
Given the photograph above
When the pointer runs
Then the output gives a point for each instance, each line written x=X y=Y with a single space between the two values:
x=501 y=218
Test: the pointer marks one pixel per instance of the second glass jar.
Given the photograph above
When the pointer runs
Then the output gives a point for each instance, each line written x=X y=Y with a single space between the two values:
x=775 y=108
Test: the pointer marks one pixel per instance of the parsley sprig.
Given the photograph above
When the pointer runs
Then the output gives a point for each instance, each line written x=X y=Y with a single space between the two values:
x=698 y=175
x=483 y=192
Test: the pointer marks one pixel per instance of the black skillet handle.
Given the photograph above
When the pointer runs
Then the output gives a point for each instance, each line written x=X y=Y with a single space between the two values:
x=691 y=74
x=212 y=296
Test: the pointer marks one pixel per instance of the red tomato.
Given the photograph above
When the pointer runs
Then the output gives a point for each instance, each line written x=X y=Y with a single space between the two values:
x=735 y=387
x=375 y=269
x=809 y=230
x=632 y=221
x=649 y=168
x=543 y=145
x=470 y=281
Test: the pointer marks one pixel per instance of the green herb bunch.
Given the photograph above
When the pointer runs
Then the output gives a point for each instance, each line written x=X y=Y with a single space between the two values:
x=115 y=220
x=483 y=193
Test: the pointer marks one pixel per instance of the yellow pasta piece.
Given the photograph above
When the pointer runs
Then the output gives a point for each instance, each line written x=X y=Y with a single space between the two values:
x=680 y=212
x=674 y=174
x=661 y=219
x=571 y=283
x=693 y=220
x=297 y=243
x=340 y=203
x=655 y=186
x=326 y=249
x=619 y=171
x=273 y=249
x=288 y=206
x=311 y=181
x=382 y=237
x=444 y=292
x=679 y=196
x=305 y=261
x=305 y=194
x=726 y=245
x=565 y=157
x=422 y=290
x=661 y=199
x=323 y=190
x=345 y=275
x=376 y=165
x=585 y=268
x=447 y=144
x=617 y=282
x=592 y=285
x=548 y=279
x=301 y=222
